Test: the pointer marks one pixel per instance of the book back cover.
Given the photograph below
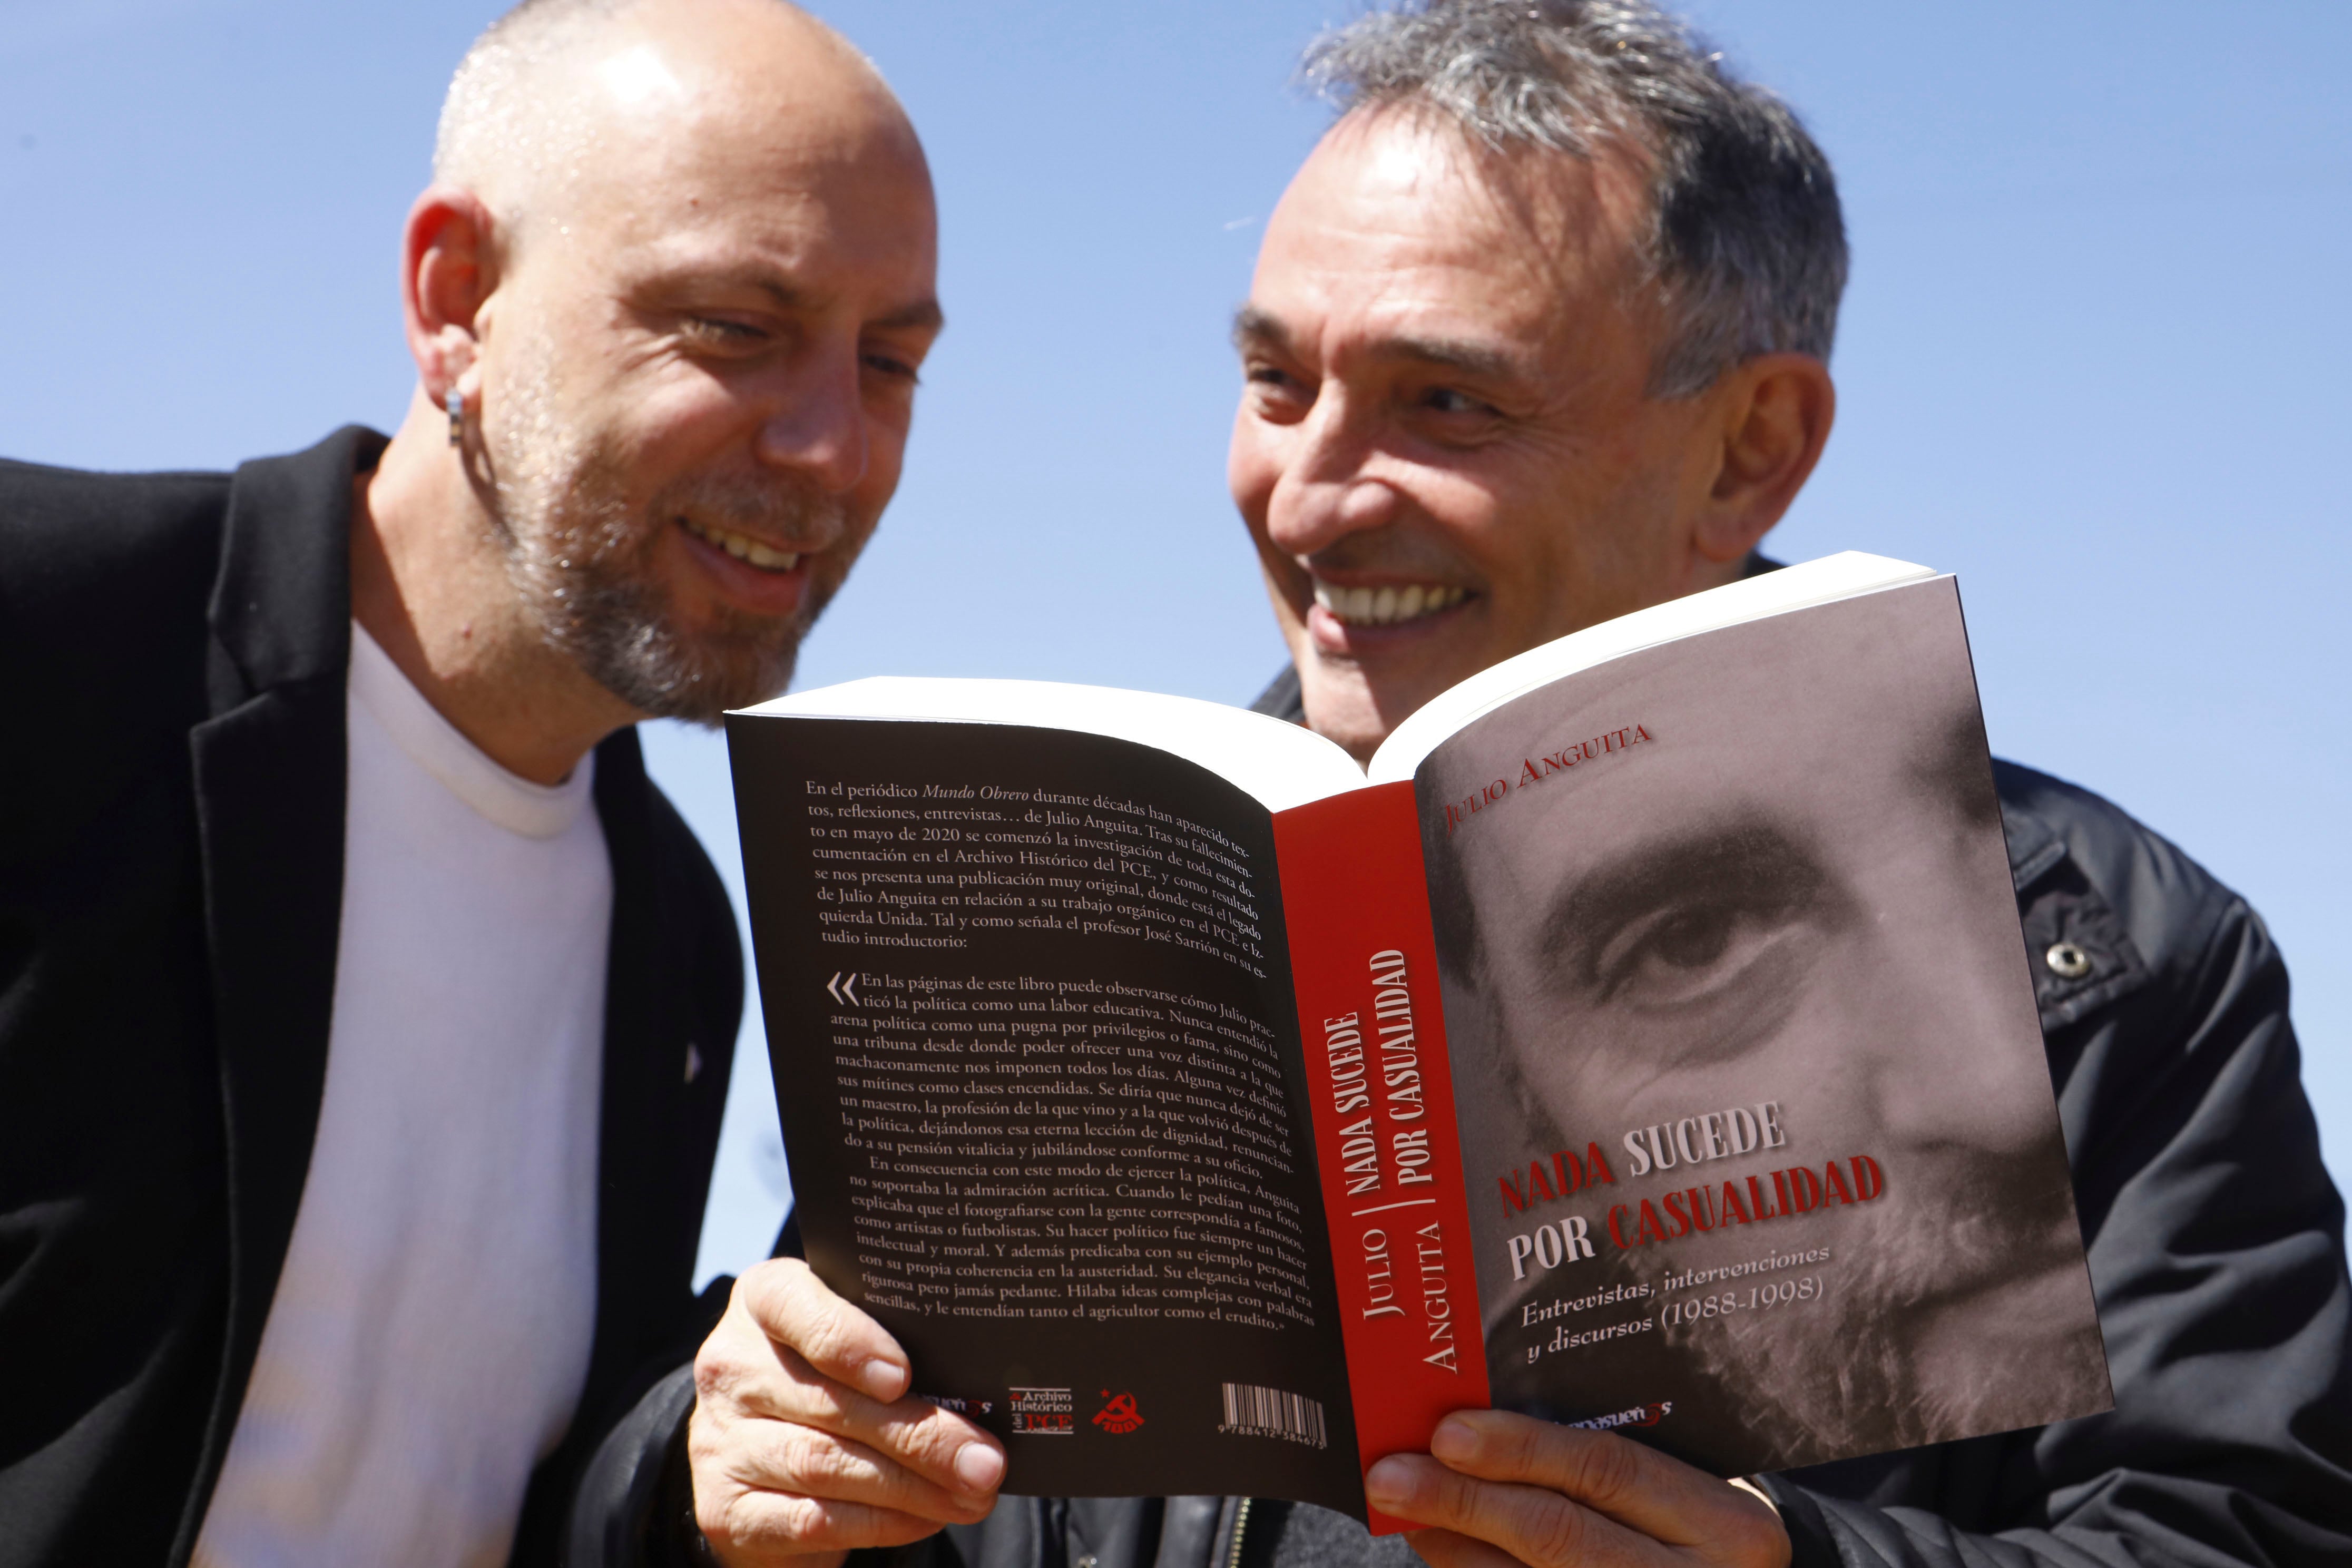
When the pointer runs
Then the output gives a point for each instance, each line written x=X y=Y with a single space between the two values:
x=1030 y=1017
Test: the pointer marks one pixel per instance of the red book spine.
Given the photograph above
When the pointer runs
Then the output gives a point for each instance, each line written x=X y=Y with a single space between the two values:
x=1388 y=1150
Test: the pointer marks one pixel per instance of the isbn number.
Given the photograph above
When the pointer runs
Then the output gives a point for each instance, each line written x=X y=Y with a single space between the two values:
x=1271 y=1413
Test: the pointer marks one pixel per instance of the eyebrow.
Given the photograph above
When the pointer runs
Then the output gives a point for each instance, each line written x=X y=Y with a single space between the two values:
x=1471 y=359
x=915 y=315
x=1951 y=766
x=1253 y=326
x=922 y=315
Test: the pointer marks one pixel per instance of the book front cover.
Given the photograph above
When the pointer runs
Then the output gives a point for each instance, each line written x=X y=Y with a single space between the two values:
x=1763 y=1161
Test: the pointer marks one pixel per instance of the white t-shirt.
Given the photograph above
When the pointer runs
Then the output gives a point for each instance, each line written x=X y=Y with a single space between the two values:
x=430 y=1333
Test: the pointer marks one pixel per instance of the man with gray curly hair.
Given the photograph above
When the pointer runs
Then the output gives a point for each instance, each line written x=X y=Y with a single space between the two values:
x=1538 y=336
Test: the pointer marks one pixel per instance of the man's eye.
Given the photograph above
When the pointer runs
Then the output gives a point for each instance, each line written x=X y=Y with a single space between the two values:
x=1277 y=395
x=719 y=332
x=1693 y=938
x=1688 y=953
x=893 y=367
x=1446 y=400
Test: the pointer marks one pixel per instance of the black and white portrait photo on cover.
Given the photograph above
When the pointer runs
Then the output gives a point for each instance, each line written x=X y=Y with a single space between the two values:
x=1733 y=929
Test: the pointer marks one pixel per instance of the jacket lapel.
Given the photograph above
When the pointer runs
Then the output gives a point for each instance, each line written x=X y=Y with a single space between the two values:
x=638 y=1098
x=269 y=785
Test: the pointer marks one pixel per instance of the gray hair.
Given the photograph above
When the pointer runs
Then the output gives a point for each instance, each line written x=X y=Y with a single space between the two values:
x=1744 y=242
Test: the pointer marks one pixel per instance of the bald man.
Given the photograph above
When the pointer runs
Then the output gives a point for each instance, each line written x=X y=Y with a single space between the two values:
x=366 y=1014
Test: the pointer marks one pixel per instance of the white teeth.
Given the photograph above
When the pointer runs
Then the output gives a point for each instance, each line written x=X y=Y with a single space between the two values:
x=1387 y=604
x=744 y=549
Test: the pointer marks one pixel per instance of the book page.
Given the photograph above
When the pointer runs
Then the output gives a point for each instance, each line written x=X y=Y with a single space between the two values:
x=1035 y=1052
x=1765 y=1168
x=1275 y=762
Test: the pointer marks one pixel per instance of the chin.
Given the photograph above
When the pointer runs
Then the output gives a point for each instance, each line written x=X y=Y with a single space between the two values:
x=1367 y=708
x=1340 y=707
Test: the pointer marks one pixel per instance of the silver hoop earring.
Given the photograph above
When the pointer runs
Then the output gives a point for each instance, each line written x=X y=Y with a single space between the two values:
x=457 y=406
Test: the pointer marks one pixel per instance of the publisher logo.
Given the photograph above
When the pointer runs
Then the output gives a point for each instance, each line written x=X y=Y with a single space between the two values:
x=1043 y=1412
x=1639 y=1415
x=1120 y=1415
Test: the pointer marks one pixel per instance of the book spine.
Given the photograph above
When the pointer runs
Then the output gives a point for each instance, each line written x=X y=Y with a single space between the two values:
x=1388 y=1150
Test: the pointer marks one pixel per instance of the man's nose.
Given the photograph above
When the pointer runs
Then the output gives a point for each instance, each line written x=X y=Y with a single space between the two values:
x=1330 y=487
x=1962 y=1062
x=816 y=424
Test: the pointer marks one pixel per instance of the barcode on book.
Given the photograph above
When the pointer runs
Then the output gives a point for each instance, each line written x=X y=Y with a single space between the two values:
x=1270 y=1413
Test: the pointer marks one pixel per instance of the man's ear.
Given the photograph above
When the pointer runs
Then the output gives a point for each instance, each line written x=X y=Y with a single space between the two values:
x=448 y=269
x=1775 y=412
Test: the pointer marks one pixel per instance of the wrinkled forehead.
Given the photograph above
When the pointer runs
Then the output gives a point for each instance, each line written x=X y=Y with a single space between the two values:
x=712 y=176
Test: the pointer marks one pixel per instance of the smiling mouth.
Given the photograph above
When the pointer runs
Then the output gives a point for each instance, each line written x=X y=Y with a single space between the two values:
x=749 y=551
x=1388 y=605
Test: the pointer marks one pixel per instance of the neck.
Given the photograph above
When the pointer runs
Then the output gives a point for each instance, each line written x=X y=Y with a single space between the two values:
x=429 y=582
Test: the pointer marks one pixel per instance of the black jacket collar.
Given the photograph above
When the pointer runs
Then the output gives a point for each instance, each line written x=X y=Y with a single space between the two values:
x=281 y=607
x=269 y=786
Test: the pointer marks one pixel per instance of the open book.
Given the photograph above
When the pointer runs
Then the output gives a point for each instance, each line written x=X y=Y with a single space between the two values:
x=1647 y=1043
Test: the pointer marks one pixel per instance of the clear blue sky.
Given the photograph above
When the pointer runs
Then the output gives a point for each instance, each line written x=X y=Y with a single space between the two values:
x=2094 y=351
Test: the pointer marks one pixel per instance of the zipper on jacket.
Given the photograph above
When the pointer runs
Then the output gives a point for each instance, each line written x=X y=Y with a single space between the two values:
x=1241 y=1522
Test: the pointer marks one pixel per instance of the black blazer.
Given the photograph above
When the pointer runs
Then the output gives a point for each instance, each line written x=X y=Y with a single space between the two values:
x=172 y=652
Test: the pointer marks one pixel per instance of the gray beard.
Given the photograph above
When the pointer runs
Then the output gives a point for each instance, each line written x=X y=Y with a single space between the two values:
x=1858 y=1384
x=1864 y=1383
x=582 y=561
